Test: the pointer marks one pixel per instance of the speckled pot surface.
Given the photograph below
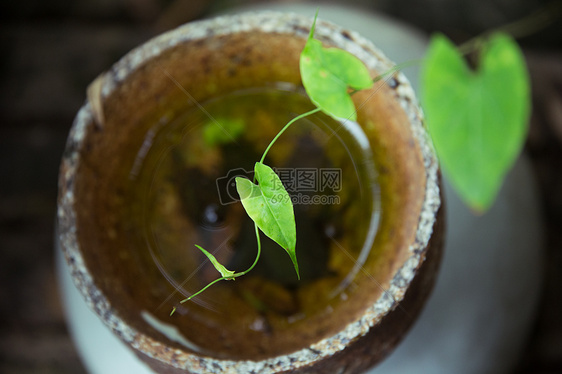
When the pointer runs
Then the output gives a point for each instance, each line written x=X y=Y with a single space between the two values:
x=221 y=55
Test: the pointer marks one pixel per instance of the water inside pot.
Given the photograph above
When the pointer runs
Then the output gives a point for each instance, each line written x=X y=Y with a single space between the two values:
x=183 y=193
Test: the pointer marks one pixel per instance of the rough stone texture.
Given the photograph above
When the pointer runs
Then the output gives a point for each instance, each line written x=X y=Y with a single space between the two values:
x=53 y=49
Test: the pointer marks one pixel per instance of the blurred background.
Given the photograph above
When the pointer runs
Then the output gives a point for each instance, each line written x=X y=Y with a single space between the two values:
x=52 y=49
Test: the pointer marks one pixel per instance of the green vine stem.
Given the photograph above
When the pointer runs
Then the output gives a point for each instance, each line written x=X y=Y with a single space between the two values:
x=232 y=277
x=315 y=110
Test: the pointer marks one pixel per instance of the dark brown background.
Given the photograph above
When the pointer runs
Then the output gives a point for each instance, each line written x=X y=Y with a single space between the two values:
x=51 y=50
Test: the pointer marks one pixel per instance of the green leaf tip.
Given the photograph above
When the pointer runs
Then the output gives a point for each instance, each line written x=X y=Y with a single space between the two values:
x=269 y=205
x=227 y=274
x=313 y=27
x=477 y=119
x=328 y=73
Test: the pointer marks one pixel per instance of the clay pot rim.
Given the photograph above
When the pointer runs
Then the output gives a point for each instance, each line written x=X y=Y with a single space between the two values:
x=273 y=22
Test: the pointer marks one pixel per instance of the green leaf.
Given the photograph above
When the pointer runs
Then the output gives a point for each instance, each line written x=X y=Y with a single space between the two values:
x=477 y=119
x=328 y=73
x=221 y=269
x=269 y=205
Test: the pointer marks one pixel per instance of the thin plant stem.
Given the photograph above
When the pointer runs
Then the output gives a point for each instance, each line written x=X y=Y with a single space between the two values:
x=204 y=288
x=232 y=277
x=392 y=70
x=529 y=25
x=316 y=110
x=257 y=256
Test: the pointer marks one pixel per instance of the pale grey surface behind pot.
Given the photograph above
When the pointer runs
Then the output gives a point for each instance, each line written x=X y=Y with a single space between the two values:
x=100 y=350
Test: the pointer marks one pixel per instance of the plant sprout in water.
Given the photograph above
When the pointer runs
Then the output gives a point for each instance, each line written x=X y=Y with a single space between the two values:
x=476 y=118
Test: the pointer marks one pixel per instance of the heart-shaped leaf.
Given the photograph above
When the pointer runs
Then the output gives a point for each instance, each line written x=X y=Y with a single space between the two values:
x=328 y=73
x=228 y=274
x=477 y=119
x=269 y=205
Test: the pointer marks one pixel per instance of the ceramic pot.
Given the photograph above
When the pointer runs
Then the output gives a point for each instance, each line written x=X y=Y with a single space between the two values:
x=204 y=60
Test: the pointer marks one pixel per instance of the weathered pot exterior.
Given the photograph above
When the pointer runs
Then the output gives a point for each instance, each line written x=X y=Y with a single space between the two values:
x=220 y=55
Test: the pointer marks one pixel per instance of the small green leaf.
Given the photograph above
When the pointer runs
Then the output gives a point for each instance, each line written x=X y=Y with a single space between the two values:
x=477 y=119
x=221 y=269
x=269 y=205
x=328 y=73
